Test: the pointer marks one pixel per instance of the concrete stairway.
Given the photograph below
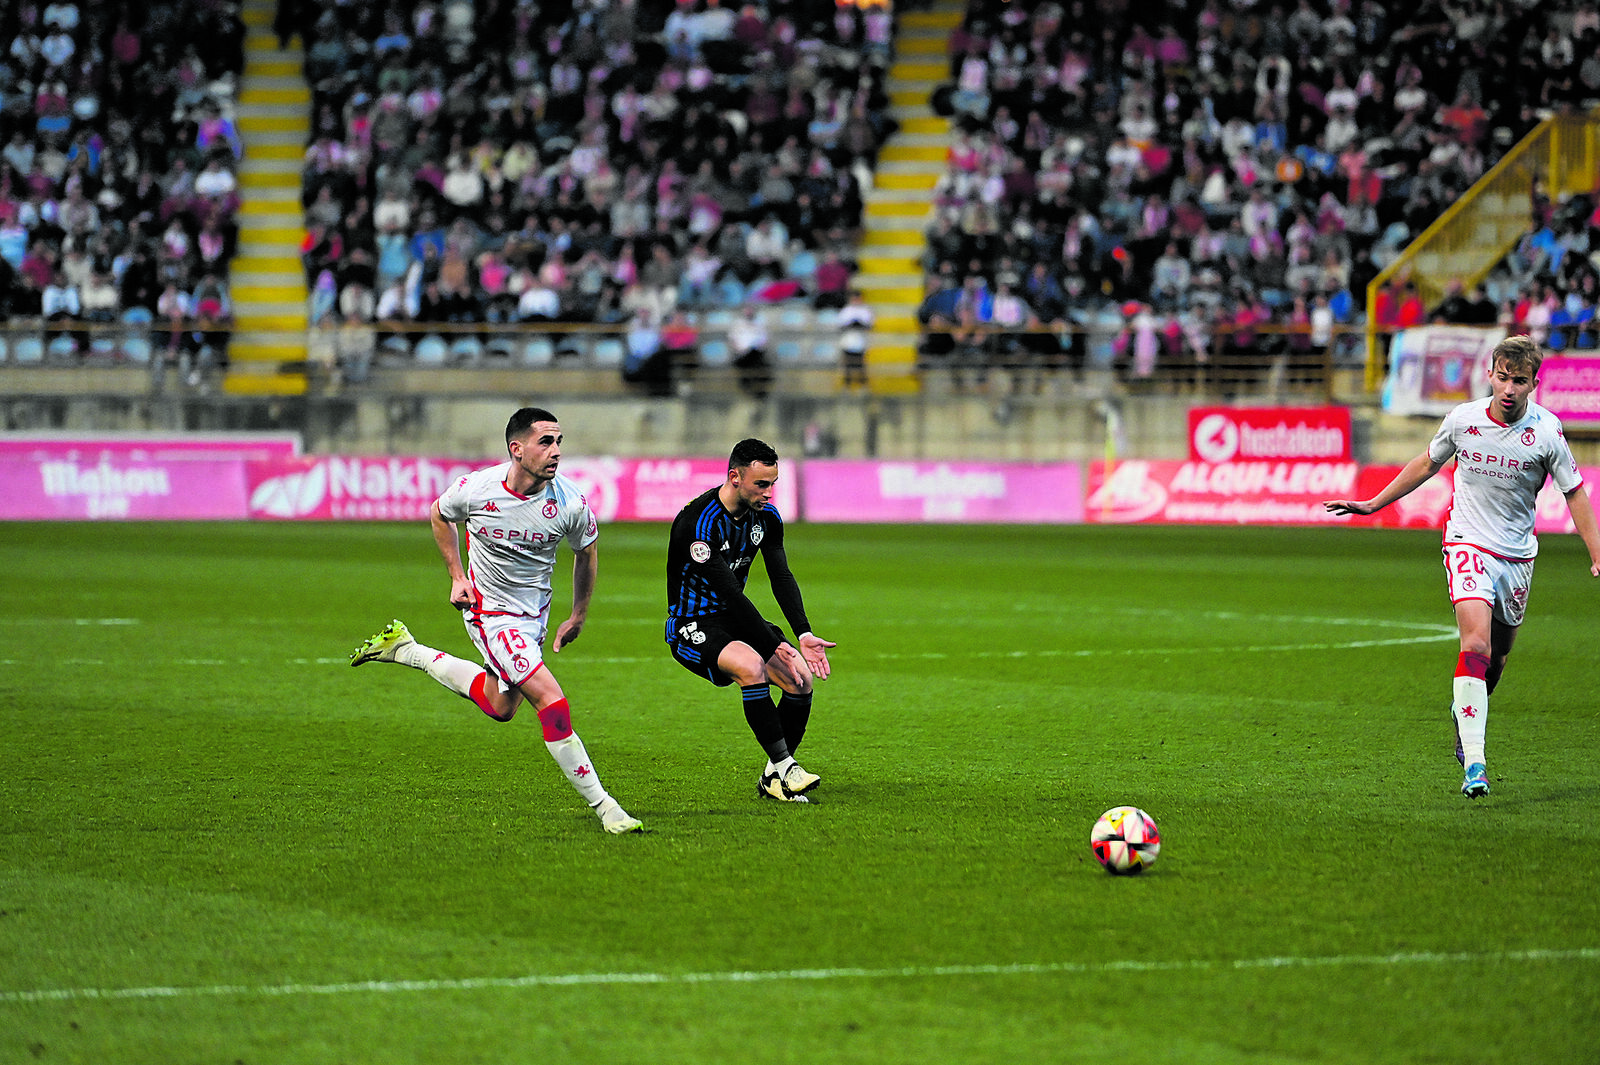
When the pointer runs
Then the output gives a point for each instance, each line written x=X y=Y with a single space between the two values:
x=268 y=281
x=897 y=208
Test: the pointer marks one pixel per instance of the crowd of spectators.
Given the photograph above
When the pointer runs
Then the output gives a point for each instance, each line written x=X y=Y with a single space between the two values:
x=1175 y=187
x=117 y=189
x=508 y=161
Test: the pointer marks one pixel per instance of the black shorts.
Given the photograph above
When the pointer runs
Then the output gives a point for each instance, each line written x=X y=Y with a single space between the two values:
x=697 y=643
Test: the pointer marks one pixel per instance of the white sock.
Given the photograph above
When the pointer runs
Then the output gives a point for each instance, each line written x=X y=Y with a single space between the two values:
x=782 y=767
x=1471 y=710
x=574 y=762
x=454 y=673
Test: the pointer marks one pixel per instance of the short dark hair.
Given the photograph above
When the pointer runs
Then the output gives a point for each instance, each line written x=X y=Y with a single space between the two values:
x=523 y=420
x=751 y=450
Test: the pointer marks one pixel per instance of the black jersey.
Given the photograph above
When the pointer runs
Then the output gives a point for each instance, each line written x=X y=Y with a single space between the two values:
x=708 y=561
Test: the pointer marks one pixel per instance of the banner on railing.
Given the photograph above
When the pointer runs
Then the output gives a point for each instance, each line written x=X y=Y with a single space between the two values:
x=1434 y=367
x=844 y=491
x=402 y=489
x=109 y=486
x=1269 y=434
x=67 y=476
x=1570 y=389
x=1232 y=493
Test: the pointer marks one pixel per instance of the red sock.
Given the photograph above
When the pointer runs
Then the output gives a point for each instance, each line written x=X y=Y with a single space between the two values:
x=480 y=696
x=1472 y=664
x=557 y=721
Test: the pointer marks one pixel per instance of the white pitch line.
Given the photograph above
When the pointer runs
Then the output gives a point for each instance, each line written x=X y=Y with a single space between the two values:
x=69 y=621
x=1433 y=633
x=908 y=972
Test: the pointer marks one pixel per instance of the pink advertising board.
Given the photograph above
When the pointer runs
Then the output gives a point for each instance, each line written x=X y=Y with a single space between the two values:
x=109 y=486
x=1233 y=493
x=1570 y=388
x=1269 y=434
x=334 y=488
x=946 y=492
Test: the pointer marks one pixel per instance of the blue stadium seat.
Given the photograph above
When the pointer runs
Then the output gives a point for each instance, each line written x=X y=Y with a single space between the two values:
x=431 y=350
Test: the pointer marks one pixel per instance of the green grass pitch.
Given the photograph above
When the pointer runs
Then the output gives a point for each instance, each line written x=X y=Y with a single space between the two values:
x=221 y=844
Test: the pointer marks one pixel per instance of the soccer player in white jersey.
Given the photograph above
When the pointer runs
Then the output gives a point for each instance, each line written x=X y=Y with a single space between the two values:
x=515 y=515
x=1504 y=448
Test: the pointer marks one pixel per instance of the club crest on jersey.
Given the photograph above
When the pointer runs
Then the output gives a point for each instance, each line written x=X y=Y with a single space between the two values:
x=757 y=533
x=700 y=551
x=1527 y=437
x=549 y=510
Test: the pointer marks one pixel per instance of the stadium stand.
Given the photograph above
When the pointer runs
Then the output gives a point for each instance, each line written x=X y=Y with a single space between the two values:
x=577 y=165
x=1220 y=181
x=117 y=195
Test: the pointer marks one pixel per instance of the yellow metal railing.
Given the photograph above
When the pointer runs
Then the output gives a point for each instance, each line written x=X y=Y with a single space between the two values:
x=1561 y=155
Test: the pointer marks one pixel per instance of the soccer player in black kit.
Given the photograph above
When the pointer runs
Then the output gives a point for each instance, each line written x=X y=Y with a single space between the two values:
x=714 y=630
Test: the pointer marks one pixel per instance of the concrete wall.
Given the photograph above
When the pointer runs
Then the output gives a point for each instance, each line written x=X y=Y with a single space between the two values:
x=462 y=413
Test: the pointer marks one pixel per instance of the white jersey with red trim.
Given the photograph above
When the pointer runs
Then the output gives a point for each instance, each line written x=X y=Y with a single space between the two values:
x=1499 y=471
x=512 y=539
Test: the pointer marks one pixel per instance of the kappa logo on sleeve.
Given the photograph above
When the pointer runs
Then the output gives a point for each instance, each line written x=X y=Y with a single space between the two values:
x=700 y=551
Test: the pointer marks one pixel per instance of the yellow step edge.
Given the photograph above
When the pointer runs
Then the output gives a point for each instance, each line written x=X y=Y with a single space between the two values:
x=905 y=295
x=268 y=323
x=923 y=46
x=274 y=234
x=263 y=293
x=273 y=124
x=898 y=209
x=278 y=384
x=930 y=20
x=274 y=68
x=935 y=125
x=274 y=96
x=909 y=98
x=266 y=352
x=287 y=208
x=275 y=151
x=907 y=181
x=908 y=70
x=891 y=237
x=877 y=265
x=913 y=153
x=258 y=180
x=248 y=263
x=897 y=323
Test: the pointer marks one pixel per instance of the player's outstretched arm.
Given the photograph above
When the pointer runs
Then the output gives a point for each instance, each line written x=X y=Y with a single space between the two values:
x=585 y=568
x=1406 y=481
x=814 y=649
x=1583 y=519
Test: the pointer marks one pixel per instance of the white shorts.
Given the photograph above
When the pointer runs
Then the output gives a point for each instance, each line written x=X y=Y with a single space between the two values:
x=512 y=645
x=1474 y=573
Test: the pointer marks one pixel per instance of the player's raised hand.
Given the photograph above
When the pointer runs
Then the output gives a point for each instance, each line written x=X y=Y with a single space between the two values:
x=814 y=649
